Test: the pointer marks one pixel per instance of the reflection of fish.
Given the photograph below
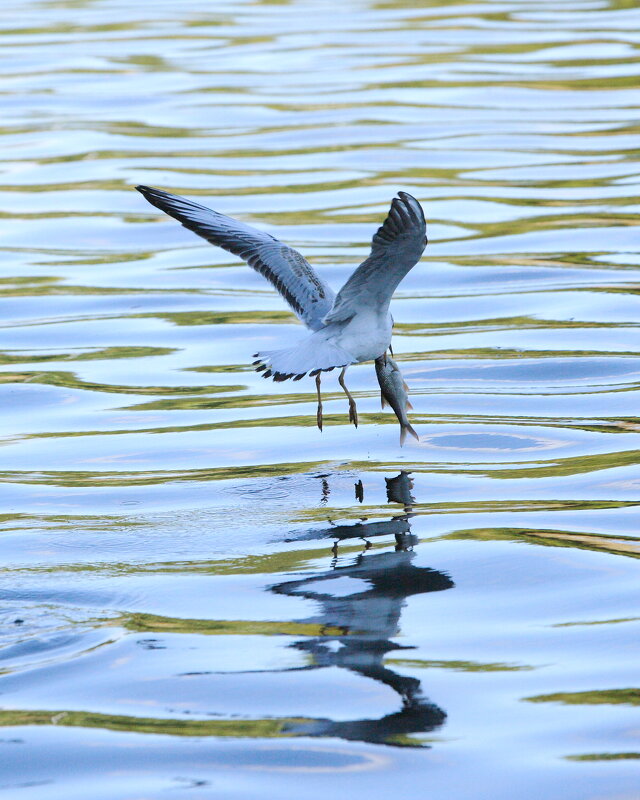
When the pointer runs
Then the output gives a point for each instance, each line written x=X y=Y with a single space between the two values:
x=399 y=489
x=394 y=392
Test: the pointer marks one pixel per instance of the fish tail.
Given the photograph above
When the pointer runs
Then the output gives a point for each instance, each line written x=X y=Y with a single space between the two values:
x=382 y=400
x=403 y=433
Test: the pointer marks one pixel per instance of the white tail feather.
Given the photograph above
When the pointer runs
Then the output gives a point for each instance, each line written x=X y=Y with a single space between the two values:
x=312 y=354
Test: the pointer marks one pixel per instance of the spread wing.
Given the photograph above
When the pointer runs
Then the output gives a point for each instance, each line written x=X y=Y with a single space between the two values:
x=291 y=274
x=396 y=248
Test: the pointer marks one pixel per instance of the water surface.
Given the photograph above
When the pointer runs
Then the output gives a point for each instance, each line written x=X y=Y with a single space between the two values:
x=203 y=595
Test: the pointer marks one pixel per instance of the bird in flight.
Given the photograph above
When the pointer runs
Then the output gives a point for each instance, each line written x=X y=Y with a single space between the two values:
x=348 y=328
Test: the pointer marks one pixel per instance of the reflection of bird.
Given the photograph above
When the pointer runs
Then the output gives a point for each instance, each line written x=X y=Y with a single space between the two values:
x=347 y=328
x=358 y=628
x=358 y=632
x=398 y=491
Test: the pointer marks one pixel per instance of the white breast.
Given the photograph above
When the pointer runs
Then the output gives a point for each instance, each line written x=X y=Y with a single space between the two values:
x=366 y=336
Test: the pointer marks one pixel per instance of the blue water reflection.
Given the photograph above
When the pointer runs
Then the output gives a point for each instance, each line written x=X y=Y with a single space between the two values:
x=203 y=594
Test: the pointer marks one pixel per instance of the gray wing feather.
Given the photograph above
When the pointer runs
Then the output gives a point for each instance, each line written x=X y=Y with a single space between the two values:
x=397 y=247
x=291 y=274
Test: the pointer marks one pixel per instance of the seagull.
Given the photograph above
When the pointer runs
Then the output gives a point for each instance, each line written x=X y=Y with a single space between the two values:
x=348 y=328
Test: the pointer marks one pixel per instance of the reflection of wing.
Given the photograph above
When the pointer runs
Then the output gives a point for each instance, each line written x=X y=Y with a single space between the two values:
x=291 y=274
x=364 y=624
x=396 y=248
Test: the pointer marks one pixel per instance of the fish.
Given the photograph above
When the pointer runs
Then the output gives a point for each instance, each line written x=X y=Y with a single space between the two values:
x=394 y=392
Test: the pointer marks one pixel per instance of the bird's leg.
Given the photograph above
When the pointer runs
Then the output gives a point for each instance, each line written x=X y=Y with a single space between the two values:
x=359 y=491
x=390 y=349
x=353 y=411
x=319 y=413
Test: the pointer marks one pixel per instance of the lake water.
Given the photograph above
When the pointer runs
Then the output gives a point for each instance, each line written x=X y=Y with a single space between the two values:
x=203 y=595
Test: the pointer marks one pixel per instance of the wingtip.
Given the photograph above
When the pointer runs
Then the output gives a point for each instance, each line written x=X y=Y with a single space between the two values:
x=151 y=195
x=156 y=197
x=414 y=205
x=404 y=214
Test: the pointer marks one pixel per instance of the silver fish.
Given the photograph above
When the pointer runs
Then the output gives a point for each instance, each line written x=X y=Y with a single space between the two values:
x=394 y=392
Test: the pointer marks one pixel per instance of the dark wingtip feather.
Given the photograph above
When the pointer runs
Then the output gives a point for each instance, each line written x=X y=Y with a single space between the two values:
x=412 y=206
x=147 y=191
x=157 y=198
x=405 y=214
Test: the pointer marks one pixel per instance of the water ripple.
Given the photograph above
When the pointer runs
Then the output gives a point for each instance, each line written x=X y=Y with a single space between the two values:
x=167 y=514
